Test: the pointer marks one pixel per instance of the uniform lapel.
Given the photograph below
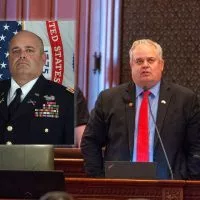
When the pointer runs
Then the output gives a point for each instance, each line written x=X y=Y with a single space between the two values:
x=3 y=105
x=3 y=99
x=163 y=104
x=129 y=100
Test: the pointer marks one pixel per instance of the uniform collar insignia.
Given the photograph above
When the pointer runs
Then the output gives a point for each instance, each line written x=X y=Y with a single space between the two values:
x=31 y=102
x=37 y=94
x=1 y=100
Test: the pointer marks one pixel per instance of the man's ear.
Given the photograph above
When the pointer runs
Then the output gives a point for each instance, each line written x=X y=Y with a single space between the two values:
x=162 y=62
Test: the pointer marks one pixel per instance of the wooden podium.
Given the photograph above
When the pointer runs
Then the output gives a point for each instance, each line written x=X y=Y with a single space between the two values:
x=82 y=188
x=124 y=189
x=70 y=161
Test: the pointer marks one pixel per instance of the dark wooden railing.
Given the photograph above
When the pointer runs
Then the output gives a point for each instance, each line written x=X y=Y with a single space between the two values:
x=70 y=161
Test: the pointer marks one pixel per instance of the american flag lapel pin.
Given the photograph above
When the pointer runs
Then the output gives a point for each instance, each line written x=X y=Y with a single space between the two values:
x=163 y=102
x=37 y=94
x=130 y=104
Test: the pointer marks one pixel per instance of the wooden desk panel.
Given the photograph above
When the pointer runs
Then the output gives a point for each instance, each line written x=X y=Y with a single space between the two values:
x=124 y=189
x=61 y=152
x=71 y=167
x=71 y=162
x=192 y=190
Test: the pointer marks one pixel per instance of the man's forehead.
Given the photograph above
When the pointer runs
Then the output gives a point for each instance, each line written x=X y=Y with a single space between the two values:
x=24 y=46
x=144 y=50
x=24 y=43
x=144 y=57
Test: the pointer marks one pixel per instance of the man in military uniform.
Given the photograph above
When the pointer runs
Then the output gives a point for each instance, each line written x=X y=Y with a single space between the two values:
x=45 y=111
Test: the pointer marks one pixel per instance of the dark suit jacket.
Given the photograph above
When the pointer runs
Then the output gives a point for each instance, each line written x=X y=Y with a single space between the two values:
x=112 y=125
x=81 y=109
x=32 y=124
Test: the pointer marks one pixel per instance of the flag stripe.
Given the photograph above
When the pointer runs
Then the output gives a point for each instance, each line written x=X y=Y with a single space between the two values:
x=57 y=51
x=62 y=50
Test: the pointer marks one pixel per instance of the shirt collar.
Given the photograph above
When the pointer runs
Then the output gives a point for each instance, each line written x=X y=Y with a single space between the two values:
x=13 y=87
x=25 y=88
x=154 y=90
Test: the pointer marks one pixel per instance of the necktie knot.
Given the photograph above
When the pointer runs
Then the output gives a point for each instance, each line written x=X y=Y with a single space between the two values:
x=18 y=92
x=143 y=129
x=146 y=93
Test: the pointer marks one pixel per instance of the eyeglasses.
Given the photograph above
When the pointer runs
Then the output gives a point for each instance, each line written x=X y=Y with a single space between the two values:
x=150 y=60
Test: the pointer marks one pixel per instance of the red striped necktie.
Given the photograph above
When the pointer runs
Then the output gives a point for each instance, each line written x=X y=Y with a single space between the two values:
x=143 y=130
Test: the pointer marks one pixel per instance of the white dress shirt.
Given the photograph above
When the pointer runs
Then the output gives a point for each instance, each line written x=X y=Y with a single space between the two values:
x=25 y=89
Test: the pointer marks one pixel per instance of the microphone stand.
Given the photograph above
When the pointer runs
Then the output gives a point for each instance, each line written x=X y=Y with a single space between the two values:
x=160 y=139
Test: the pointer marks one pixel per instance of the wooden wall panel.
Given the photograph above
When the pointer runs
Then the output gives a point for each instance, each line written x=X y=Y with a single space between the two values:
x=38 y=9
x=64 y=9
x=2 y=9
x=175 y=26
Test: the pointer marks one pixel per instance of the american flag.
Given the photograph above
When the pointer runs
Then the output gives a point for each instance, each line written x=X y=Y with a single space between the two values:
x=7 y=30
x=59 y=44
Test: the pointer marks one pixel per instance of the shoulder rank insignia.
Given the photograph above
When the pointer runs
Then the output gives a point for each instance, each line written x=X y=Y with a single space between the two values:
x=70 y=89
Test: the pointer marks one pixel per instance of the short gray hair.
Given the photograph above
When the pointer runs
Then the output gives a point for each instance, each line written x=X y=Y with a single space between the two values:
x=146 y=42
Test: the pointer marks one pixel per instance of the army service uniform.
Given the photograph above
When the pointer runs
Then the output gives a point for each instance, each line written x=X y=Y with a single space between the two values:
x=45 y=116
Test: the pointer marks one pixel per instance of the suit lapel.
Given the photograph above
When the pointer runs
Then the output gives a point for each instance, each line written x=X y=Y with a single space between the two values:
x=163 y=105
x=129 y=100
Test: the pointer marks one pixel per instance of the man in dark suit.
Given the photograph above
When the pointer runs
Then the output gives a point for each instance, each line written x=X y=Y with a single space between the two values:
x=44 y=113
x=114 y=122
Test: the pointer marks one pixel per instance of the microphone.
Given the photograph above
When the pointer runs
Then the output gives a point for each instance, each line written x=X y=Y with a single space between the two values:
x=160 y=139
